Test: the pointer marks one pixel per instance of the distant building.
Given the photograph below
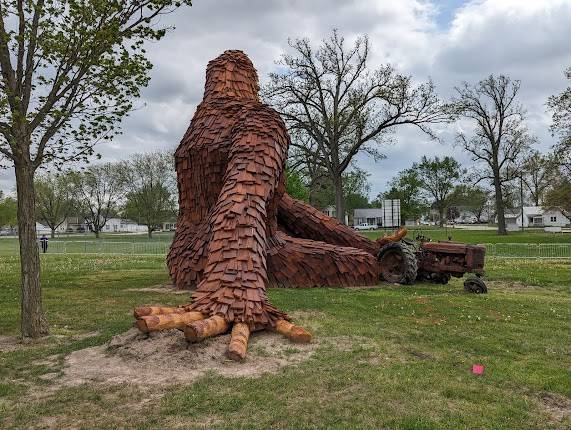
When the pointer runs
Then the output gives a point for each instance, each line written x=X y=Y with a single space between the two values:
x=388 y=215
x=120 y=225
x=536 y=216
x=332 y=212
x=169 y=225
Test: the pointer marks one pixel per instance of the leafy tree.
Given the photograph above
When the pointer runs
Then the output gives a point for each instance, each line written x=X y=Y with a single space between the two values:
x=471 y=198
x=8 y=212
x=54 y=201
x=560 y=106
x=559 y=195
x=98 y=192
x=438 y=177
x=407 y=187
x=295 y=186
x=68 y=72
x=538 y=173
x=150 y=185
x=500 y=137
x=329 y=96
x=356 y=189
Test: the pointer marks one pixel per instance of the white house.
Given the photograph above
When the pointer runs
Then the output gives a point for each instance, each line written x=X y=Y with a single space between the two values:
x=536 y=216
x=332 y=212
x=118 y=225
x=388 y=215
x=42 y=229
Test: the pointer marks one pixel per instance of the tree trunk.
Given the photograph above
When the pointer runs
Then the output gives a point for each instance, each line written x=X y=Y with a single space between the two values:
x=339 y=199
x=149 y=232
x=96 y=234
x=53 y=235
x=441 y=215
x=33 y=322
x=500 y=206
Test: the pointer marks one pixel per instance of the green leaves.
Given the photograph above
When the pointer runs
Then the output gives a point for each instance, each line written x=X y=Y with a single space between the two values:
x=79 y=65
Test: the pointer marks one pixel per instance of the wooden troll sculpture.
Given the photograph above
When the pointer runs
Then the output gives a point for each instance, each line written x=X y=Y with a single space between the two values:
x=237 y=231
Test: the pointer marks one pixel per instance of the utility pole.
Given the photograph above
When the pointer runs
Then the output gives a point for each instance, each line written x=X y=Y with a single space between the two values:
x=521 y=198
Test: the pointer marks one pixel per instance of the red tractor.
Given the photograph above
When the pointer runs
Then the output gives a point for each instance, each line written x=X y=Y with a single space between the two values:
x=405 y=261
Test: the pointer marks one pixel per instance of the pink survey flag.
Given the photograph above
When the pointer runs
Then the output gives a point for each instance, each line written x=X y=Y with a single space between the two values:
x=478 y=369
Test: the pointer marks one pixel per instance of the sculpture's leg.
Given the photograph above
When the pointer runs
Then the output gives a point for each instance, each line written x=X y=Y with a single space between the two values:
x=187 y=255
x=306 y=222
x=294 y=262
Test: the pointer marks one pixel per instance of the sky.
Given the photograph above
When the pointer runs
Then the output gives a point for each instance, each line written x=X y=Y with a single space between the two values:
x=449 y=41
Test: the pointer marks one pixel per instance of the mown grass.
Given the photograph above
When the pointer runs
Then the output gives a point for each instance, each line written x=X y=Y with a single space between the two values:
x=389 y=357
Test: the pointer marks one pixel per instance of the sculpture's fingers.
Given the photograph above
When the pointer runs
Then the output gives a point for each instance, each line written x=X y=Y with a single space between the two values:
x=198 y=330
x=150 y=323
x=239 y=341
x=156 y=310
x=293 y=332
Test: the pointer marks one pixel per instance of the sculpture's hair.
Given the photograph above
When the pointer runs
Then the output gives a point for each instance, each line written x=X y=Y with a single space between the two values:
x=231 y=74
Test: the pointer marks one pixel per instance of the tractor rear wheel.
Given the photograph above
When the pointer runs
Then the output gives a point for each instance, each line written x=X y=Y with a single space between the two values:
x=475 y=285
x=398 y=263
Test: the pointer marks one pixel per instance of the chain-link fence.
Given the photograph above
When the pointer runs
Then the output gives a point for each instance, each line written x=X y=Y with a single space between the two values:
x=529 y=250
x=107 y=247
x=501 y=250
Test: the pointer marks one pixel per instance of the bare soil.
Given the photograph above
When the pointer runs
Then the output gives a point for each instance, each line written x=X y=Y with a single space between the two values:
x=165 y=358
x=161 y=288
x=557 y=407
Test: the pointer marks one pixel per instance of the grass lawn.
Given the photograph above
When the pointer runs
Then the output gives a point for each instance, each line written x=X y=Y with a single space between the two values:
x=385 y=357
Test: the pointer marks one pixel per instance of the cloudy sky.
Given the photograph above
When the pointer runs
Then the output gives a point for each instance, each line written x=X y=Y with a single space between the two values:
x=449 y=40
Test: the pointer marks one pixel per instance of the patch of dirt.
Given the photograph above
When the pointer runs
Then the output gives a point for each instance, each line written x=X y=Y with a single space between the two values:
x=166 y=358
x=557 y=407
x=160 y=288
x=509 y=286
x=13 y=343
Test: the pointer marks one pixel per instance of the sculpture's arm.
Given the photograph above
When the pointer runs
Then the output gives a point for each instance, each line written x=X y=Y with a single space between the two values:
x=306 y=222
x=235 y=273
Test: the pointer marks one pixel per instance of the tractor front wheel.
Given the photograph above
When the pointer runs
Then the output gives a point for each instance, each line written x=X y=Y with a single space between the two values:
x=475 y=285
x=398 y=263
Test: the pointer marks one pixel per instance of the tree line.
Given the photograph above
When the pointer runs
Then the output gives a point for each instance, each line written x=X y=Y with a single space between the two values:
x=142 y=189
x=336 y=107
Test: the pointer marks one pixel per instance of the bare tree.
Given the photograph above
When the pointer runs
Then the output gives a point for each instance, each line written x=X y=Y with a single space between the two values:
x=98 y=192
x=500 y=137
x=53 y=199
x=538 y=171
x=331 y=95
x=68 y=73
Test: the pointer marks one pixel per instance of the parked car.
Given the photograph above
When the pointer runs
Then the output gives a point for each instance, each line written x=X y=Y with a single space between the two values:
x=365 y=226
x=7 y=232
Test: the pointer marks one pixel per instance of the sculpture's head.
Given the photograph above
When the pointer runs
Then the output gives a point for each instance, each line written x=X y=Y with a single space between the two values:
x=231 y=74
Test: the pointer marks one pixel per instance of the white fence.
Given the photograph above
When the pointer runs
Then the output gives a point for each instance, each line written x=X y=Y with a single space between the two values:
x=107 y=247
x=500 y=250
x=529 y=250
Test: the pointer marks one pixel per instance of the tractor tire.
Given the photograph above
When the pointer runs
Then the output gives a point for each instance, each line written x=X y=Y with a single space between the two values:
x=398 y=263
x=475 y=285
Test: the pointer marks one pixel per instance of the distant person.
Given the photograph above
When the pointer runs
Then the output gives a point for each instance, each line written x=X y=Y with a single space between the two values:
x=44 y=242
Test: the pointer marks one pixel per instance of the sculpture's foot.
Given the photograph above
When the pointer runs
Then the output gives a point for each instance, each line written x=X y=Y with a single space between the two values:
x=197 y=327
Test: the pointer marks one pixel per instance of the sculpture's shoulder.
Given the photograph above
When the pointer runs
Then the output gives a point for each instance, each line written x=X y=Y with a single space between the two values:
x=264 y=113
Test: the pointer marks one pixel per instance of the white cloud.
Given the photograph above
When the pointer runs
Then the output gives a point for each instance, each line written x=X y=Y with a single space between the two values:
x=527 y=39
